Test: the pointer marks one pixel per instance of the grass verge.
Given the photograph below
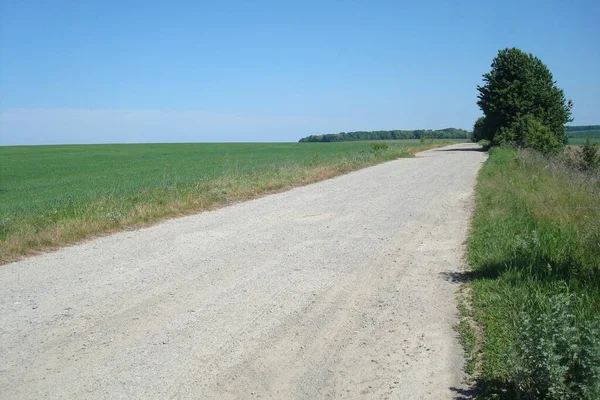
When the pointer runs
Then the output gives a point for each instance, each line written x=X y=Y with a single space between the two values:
x=534 y=253
x=467 y=331
x=57 y=195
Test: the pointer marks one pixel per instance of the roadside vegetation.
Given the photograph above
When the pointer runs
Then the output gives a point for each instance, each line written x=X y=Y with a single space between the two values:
x=56 y=195
x=534 y=249
x=535 y=258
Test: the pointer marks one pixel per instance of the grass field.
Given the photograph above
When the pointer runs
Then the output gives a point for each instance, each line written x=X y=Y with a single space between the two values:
x=579 y=141
x=55 y=195
x=534 y=284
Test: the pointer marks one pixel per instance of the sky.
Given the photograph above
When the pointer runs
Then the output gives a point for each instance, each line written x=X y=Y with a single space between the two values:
x=221 y=71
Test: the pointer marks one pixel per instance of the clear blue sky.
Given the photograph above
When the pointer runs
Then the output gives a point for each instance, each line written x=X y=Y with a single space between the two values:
x=149 y=71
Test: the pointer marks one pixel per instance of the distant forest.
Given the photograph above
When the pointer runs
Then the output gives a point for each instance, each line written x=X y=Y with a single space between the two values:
x=448 y=133
x=584 y=131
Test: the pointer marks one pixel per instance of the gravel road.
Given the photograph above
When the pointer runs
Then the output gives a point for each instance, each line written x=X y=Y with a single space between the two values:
x=338 y=289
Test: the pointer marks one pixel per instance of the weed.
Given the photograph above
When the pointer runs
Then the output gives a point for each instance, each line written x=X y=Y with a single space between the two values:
x=535 y=239
x=467 y=331
x=377 y=147
x=553 y=356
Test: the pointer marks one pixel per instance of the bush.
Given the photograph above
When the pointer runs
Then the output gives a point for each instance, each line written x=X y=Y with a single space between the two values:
x=588 y=158
x=536 y=136
x=482 y=130
x=377 y=147
x=554 y=357
x=527 y=131
x=486 y=144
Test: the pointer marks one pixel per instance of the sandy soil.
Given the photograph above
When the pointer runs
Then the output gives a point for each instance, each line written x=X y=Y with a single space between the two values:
x=336 y=289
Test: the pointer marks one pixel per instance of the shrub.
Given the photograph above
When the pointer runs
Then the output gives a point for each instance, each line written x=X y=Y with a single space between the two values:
x=537 y=136
x=527 y=131
x=588 y=158
x=554 y=356
x=486 y=144
x=377 y=147
x=482 y=130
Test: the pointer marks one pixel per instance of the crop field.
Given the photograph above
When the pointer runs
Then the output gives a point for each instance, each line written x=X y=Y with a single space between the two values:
x=579 y=141
x=56 y=195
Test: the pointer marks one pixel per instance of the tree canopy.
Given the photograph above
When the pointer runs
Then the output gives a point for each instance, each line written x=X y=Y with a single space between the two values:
x=588 y=131
x=518 y=90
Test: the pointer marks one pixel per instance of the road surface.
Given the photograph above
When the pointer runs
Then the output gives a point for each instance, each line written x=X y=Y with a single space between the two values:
x=337 y=289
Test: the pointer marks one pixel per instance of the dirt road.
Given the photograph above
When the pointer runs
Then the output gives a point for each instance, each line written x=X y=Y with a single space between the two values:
x=332 y=290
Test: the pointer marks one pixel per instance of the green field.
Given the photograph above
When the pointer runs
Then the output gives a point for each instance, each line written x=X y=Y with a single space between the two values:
x=577 y=141
x=580 y=133
x=53 y=195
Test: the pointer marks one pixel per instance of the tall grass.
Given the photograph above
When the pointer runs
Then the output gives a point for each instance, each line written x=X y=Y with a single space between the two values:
x=56 y=195
x=535 y=242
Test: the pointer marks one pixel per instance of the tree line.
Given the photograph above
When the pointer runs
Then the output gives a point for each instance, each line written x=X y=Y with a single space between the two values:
x=579 y=128
x=583 y=131
x=447 y=133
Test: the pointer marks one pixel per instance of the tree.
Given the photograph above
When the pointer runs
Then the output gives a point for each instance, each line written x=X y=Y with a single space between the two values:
x=520 y=86
x=481 y=129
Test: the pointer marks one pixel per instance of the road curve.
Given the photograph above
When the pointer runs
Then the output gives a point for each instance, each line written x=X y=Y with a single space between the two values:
x=337 y=289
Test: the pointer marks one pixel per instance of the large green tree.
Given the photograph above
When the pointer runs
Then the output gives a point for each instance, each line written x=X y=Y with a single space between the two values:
x=520 y=86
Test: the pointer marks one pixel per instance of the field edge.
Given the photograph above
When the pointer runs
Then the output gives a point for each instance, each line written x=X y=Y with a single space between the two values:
x=71 y=233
